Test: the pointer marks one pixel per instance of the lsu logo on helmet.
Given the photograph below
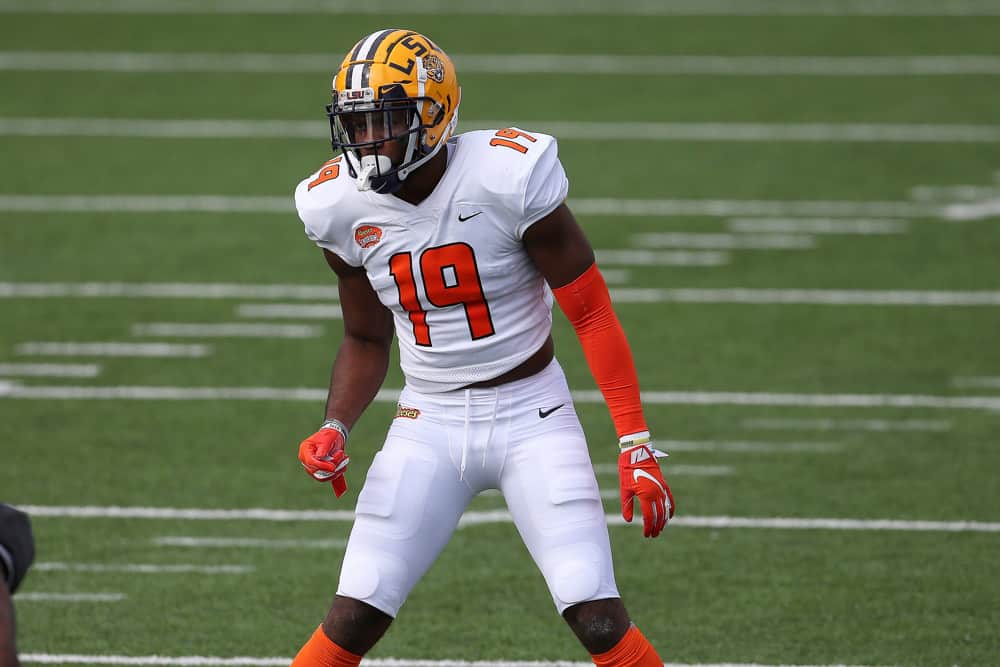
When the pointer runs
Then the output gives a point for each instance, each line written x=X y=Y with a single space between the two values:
x=393 y=86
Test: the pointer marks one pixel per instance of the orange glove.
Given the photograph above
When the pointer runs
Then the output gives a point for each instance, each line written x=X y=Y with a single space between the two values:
x=639 y=475
x=322 y=455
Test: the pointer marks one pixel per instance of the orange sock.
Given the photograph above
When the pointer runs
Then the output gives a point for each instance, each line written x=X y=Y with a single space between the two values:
x=633 y=650
x=320 y=651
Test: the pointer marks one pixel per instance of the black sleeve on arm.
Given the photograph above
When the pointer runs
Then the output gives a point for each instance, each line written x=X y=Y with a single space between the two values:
x=17 y=546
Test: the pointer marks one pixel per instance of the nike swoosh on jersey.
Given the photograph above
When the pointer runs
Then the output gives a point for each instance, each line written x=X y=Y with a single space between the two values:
x=463 y=219
x=542 y=414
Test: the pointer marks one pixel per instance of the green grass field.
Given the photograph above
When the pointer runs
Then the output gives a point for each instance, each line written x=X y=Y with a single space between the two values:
x=908 y=594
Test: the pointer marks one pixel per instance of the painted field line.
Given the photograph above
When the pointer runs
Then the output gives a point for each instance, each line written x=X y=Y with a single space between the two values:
x=989 y=208
x=661 y=257
x=807 y=297
x=13 y=390
x=50 y=370
x=876 y=425
x=817 y=226
x=304 y=311
x=589 y=206
x=244 y=543
x=820 y=8
x=250 y=661
x=69 y=597
x=982 y=382
x=210 y=128
x=167 y=291
x=227 y=330
x=744 y=446
x=953 y=193
x=678 y=469
x=724 y=241
x=499 y=516
x=61 y=349
x=144 y=568
x=525 y=63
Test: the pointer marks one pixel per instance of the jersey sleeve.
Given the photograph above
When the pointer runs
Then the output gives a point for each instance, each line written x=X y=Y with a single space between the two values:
x=321 y=214
x=546 y=187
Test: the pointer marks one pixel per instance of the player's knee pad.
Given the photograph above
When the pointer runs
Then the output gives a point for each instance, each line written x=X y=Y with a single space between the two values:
x=575 y=573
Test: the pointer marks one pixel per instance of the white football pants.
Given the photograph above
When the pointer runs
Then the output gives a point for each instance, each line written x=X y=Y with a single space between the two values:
x=522 y=438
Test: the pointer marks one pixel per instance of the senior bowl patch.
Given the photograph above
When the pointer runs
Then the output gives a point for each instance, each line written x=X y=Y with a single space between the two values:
x=408 y=413
x=368 y=235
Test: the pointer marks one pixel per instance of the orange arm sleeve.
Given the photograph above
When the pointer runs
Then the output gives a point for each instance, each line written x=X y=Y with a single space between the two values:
x=587 y=304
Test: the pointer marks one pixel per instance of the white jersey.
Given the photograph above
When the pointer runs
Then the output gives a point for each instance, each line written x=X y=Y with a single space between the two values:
x=468 y=303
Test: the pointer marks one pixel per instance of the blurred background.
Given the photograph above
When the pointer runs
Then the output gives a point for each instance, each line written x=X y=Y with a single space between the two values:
x=795 y=203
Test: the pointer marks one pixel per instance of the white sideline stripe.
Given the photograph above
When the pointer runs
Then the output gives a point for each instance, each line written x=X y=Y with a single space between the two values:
x=817 y=226
x=305 y=311
x=70 y=597
x=661 y=258
x=743 y=446
x=227 y=330
x=724 y=241
x=678 y=469
x=50 y=370
x=564 y=130
x=518 y=7
x=806 y=296
x=977 y=382
x=245 y=543
x=167 y=291
x=60 y=349
x=676 y=295
x=249 y=661
x=877 y=425
x=588 y=206
x=977 y=211
x=525 y=63
x=150 y=393
x=144 y=568
x=498 y=516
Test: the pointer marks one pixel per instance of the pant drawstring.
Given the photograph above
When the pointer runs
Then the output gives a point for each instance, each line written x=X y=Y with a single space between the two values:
x=493 y=421
x=465 y=435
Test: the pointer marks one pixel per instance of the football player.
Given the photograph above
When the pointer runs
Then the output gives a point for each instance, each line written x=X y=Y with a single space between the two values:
x=17 y=550
x=457 y=244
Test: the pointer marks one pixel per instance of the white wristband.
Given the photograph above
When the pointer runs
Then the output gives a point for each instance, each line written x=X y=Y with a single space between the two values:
x=336 y=425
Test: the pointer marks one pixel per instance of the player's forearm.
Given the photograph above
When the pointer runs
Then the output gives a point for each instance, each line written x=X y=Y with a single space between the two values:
x=358 y=372
x=587 y=305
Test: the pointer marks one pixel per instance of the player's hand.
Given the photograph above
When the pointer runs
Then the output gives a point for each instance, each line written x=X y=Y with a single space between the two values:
x=17 y=546
x=322 y=455
x=639 y=476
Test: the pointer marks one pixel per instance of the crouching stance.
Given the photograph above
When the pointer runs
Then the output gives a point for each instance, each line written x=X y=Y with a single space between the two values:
x=457 y=244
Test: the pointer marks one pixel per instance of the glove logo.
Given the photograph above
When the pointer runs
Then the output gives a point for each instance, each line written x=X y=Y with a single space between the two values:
x=642 y=474
x=639 y=454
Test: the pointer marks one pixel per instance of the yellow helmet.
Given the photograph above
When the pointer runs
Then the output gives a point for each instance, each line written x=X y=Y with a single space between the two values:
x=393 y=85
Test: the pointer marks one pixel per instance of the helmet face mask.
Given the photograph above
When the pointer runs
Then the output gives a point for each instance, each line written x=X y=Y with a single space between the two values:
x=395 y=104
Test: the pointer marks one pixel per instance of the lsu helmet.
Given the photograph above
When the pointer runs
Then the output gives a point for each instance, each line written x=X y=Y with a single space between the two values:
x=393 y=85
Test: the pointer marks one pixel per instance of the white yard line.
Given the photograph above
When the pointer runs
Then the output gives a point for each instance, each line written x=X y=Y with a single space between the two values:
x=143 y=568
x=954 y=193
x=304 y=311
x=724 y=241
x=989 y=208
x=166 y=291
x=66 y=349
x=807 y=297
x=744 y=446
x=875 y=425
x=589 y=206
x=564 y=130
x=244 y=543
x=982 y=382
x=629 y=257
x=817 y=226
x=820 y=8
x=250 y=661
x=69 y=597
x=523 y=63
x=502 y=516
x=227 y=330
x=13 y=390
x=50 y=370
x=675 y=469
